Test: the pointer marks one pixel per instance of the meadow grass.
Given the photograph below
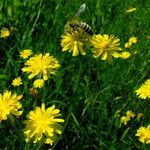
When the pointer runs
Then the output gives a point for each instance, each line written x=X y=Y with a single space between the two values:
x=90 y=93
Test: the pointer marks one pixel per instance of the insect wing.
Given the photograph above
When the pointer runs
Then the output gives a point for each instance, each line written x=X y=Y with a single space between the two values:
x=81 y=9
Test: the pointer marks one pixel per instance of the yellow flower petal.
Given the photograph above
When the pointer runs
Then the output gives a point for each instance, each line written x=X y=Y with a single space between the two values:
x=131 y=10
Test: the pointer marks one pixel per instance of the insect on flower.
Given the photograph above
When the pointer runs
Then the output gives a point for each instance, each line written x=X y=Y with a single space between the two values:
x=75 y=24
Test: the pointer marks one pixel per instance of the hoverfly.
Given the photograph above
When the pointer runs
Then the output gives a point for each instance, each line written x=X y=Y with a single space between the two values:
x=75 y=24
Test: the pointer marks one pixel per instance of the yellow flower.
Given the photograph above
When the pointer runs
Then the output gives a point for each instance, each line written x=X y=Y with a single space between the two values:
x=139 y=116
x=9 y=105
x=17 y=81
x=144 y=134
x=4 y=32
x=127 y=45
x=43 y=124
x=131 y=10
x=25 y=53
x=41 y=66
x=144 y=91
x=125 y=55
x=38 y=83
x=74 y=41
x=125 y=119
x=133 y=40
x=105 y=46
x=130 y=114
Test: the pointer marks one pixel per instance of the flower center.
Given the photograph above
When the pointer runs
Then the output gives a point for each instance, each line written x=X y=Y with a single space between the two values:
x=41 y=64
x=103 y=44
x=3 y=107
x=42 y=124
x=146 y=135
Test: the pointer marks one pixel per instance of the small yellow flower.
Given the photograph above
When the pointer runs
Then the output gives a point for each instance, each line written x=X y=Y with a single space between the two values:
x=131 y=10
x=139 y=116
x=105 y=46
x=38 y=83
x=9 y=105
x=17 y=81
x=127 y=45
x=43 y=124
x=144 y=134
x=74 y=41
x=41 y=66
x=4 y=32
x=130 y=114
x=133 y=40
x=125 y=120
x=125 y=55
x=25 y=53
x=144 y=91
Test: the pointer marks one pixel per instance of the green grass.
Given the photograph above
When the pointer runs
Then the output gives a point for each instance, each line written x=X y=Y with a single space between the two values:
x=84 y=88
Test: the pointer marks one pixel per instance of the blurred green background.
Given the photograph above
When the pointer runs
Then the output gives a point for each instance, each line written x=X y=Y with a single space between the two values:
x=89 y=92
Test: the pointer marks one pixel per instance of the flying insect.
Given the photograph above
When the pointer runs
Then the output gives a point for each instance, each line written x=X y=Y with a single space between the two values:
x=75 y=24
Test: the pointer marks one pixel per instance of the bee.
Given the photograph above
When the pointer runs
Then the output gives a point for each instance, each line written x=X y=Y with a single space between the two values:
x=75 y=24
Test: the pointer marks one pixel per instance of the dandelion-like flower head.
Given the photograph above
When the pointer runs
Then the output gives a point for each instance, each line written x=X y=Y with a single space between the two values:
x=4 y=33
x=26 y=53
x=125 y=119
x=74 y=41
x=144 y=91
x=39 y=83
x=130 y=114
x=17 y=81
x=105 y=46
x=9 y=105
x=43 y=124
x=41 y=66
x=144 y=134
